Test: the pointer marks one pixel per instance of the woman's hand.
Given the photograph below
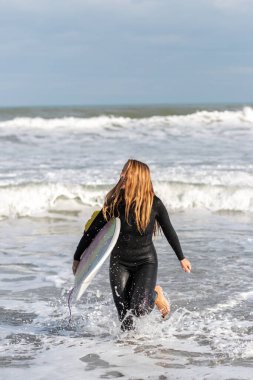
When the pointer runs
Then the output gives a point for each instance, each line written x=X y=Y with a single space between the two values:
x=75 y=265
x=186 y=265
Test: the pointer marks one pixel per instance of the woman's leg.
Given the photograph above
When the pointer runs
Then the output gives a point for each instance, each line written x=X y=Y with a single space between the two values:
x=120 y=280
x=161 y=302
x=143 y=294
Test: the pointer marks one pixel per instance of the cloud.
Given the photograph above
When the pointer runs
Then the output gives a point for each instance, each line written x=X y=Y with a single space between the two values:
x=242 y=70
x=166 y=39
x=232 y=4
x=95 y=48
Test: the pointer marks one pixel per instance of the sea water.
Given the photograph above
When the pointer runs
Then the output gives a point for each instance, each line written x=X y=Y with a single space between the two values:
x=56 y=166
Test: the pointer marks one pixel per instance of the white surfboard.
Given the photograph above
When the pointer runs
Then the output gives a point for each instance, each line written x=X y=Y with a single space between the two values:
x=94 y=256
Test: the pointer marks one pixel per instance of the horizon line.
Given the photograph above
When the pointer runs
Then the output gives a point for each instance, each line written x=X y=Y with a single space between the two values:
x=149 y=104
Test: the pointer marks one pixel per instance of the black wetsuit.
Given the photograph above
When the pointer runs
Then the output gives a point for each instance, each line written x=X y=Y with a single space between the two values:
x=133 y=263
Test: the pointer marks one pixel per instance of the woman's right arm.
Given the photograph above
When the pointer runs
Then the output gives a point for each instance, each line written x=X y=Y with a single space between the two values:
x=97 y=224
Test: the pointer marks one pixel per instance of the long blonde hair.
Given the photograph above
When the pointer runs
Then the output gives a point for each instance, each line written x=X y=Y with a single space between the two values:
x=136 y=189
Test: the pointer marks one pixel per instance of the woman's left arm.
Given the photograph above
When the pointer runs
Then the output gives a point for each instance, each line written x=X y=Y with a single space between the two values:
x=186 y=265
x=171 y=235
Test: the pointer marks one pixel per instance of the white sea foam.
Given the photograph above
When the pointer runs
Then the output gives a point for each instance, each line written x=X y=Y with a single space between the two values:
x=36 y=199
x=54 y=167
x=233 y=301
x=224 y=122
x=57 y=160
x=204 y=337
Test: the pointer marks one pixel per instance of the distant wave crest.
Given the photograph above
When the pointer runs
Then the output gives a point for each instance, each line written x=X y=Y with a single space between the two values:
x=193 y=121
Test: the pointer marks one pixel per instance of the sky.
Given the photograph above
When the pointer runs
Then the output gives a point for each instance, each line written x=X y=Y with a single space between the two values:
x=90 y=52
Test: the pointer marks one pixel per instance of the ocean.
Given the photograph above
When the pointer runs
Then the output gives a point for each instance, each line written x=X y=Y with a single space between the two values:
x=57 y=163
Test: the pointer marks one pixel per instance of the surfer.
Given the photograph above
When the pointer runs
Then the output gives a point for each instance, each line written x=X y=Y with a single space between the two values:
x=133 y=262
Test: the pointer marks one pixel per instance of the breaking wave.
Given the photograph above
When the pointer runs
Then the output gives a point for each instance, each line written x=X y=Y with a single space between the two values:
x=176 y=124
x=33 y=199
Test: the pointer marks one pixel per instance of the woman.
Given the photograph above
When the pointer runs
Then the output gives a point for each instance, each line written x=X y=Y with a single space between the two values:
x=133 y=263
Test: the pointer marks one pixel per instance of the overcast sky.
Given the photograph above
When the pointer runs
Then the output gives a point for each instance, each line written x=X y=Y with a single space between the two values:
x=59 y=52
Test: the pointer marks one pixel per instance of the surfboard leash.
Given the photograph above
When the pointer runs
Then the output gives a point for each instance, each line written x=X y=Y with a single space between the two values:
x=69 y=305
